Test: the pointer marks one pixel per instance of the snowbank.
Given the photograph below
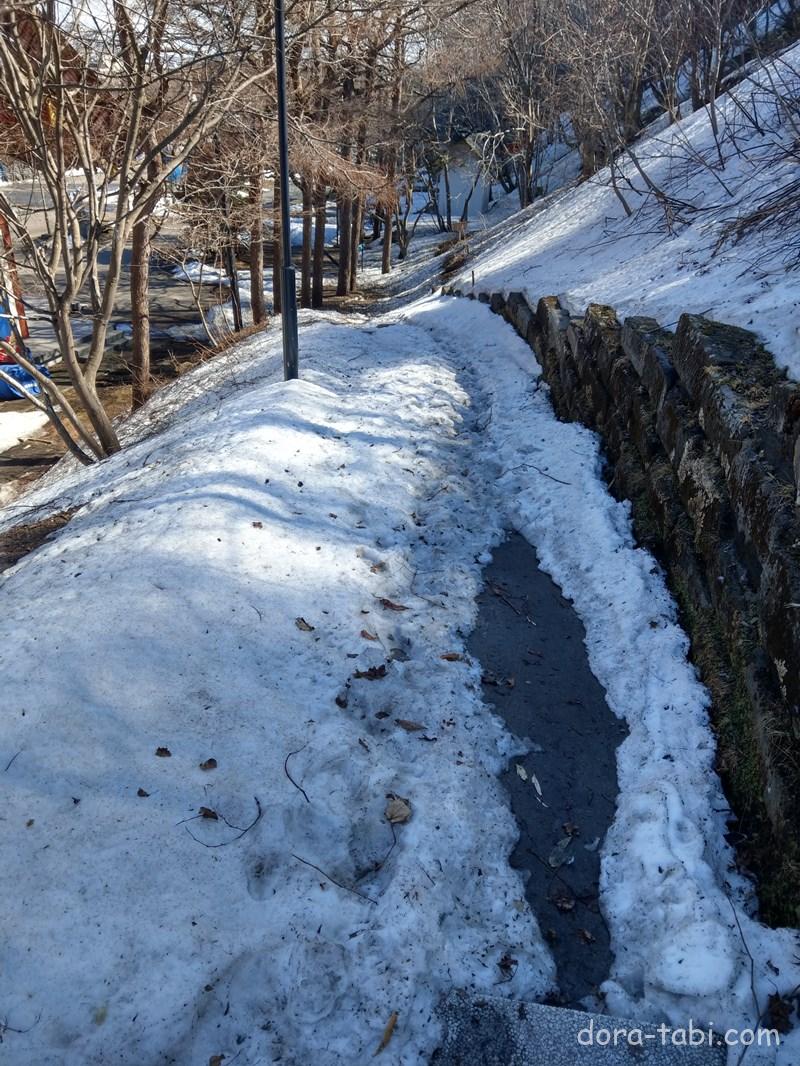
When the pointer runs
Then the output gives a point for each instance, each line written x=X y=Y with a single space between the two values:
x=17 y=425
x=224 y=583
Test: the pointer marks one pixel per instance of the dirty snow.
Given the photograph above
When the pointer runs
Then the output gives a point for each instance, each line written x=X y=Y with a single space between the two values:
x=138 y=930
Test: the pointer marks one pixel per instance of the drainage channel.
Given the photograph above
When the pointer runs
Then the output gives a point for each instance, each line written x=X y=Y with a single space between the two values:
x=563 y=792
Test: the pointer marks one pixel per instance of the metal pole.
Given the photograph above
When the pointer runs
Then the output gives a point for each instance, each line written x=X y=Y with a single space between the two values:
x=288 y=284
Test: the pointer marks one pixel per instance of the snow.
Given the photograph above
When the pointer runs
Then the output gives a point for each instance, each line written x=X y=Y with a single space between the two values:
x=579 y=244
x=248 y=504
x=242 y=512
x=241 y=505
x=15 y=426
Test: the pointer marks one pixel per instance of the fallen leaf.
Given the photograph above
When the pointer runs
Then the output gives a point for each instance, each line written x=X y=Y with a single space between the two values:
x=207 y=812
x=398 y=812
x=301 y=623
x=389 y=606
x=779 y=1011
x=216 y=1060
x=522 y=772
x=558 y=856
x=374 y=673
x=367 y=635
x=163 y=753
x=387 y=1034
x=410 y=727
x=209 y=764
x=585 y=936
x=377 y=568
x=564 y=902
x=453 y=657
x=142 y=794
x=508 y=966
x=258 y=525
x=30 y=822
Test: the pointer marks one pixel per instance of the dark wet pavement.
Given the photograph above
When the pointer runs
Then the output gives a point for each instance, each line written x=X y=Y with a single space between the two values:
x=531 y=645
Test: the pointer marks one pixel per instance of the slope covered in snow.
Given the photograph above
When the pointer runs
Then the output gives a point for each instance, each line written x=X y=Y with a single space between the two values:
x=683 y=188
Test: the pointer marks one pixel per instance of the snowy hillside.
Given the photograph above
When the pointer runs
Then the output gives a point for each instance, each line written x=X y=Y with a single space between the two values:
x=664 y=258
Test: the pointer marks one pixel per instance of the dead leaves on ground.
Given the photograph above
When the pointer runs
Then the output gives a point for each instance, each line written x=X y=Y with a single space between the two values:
x=367 y=635
x=410 y=727
x=373 y=673
x=163 y=753
x=209 y=764
x=398 y=810
x=387 y=1034
x=388 y=605
x=303 y=625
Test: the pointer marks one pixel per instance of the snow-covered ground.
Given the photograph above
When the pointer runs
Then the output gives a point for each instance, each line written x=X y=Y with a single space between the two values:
x=255 y=548
x=15 y=426
x=663 y=260
x=250 y=783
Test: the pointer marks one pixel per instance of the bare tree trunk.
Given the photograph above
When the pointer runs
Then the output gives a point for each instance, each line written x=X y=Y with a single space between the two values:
x=257 y=250
x=140 y=312
x=345 y=225
x=305 y=265
x=320 y=220
x=386 y=260
x=355 y=242
x=448 y=197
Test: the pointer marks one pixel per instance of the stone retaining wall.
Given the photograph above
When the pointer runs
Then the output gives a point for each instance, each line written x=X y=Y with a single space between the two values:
x=702 y=435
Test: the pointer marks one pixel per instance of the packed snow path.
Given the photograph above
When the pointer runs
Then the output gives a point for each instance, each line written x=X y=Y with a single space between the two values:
x=250 y=794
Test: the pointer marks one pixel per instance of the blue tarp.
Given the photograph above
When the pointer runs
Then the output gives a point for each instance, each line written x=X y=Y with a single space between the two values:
x=7 y=392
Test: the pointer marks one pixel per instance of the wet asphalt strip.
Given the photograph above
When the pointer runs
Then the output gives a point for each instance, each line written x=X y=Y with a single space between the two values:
x=563 y=792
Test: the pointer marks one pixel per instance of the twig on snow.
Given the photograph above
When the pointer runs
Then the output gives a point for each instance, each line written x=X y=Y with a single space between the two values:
x=224 y=843
x=333 y=881
x=11 y=760
x=286 y=771
x=538 y=469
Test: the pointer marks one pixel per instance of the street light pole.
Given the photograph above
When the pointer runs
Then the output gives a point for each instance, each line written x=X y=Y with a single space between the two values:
x=288 y=284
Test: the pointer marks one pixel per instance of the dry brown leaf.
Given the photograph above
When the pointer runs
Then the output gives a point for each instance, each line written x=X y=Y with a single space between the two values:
x=398 y=811
x=140 y=792
x=305 y=626
x=207 y=812
x=377 y=568
x=564 y=902
x=410 y=727
x=453 y=657
x=216 y=1060
x=387 y=1034
x=258 y=525
x=585 y=936
x=374 y=673
x=163 y=753
x=367 y=635
x=209 y=764
x=388 y=605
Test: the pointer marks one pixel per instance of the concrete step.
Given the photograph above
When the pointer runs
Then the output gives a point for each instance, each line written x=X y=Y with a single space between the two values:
x=489 y=1031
